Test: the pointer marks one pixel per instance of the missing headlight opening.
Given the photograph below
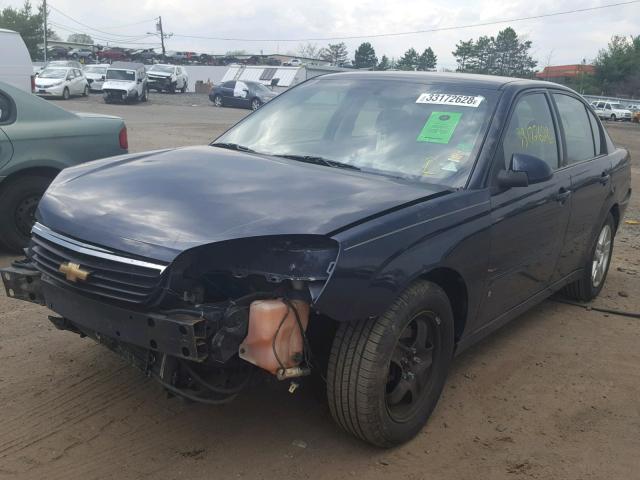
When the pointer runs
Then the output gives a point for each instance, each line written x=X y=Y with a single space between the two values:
x=218 y=312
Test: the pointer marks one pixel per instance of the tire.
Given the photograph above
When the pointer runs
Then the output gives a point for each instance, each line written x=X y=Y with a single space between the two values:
x=172 y=88
x=18 y=202
x=184 y=88
x=373 y=371
x=145 y=95
x=217 y=100
x=86 y=91
x=589 y=285
x=255 y=104
x=613 y=117
x=66 y=94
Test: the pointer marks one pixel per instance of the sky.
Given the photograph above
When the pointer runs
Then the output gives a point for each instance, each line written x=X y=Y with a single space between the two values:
x=556 y=40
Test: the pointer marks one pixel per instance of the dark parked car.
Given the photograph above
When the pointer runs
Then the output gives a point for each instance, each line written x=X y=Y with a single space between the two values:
x=362 y=226
x=57 y=52
x=109 y=55
x=241 y=94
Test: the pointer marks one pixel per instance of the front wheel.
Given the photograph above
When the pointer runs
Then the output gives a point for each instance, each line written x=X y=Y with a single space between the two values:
x=613 y=117
x=184 y=87
x=255 y=104
x=86 y=91
x=65 y=94
x=145 y=95
x=597 y=266
x=18 y=202
x=386 y=374
x=217 y=100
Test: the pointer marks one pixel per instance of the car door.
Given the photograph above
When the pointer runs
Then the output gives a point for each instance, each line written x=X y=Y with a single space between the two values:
x=227 y=92
x=241 y=94
x=80 y=81
x=528 y=223
x=589 y=167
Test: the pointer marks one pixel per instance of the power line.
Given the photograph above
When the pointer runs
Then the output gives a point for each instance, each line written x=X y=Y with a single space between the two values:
x=414 y=32
x=131 y=41
x=87 y=26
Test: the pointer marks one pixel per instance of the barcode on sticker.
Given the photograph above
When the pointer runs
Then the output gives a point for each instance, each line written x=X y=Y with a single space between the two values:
x=449 y=99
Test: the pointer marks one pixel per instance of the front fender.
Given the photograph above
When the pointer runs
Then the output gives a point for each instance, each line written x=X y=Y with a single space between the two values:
x=381 y=258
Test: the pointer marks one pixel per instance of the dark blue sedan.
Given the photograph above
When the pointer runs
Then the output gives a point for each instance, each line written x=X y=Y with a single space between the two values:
x=363 y=227
x=241 y=94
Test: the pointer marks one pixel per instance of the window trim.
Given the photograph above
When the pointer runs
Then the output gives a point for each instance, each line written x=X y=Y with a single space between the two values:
x=588 y=111
x=498 y=160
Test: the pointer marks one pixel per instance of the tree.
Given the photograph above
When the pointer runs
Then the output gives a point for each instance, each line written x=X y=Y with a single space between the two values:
x=384 y=64
x=427 y=61
x=618 y=66
x=28 y=24
x=505 y=54
x=335 y=53
x=309 y=50
x=409 y=61
x=80 y=38
x=365 y=56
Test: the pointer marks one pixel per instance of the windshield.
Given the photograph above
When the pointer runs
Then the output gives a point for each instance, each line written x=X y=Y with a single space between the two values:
x=425 y=132
x=53 y=73
x=98 y=70
x=616 y=105
x=162 y=68
x=259 y=87
x=121 y=75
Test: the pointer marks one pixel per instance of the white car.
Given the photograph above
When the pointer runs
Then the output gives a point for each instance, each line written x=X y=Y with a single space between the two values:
x=167 y=78
x=61 y=82
x=611 y=111
x=15 y=62
x=96 y=75
x=125 y=82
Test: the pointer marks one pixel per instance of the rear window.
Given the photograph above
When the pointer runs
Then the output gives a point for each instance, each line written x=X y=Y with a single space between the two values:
x=129 y=75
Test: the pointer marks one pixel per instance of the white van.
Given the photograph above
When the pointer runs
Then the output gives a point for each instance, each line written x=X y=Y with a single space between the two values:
x=15 y=63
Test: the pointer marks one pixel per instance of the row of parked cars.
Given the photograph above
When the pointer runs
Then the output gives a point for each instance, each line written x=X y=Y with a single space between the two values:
x=124 y=81
x=616 y=111
x=118 y=54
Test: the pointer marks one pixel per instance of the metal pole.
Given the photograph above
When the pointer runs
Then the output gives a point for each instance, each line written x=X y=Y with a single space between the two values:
x=44 y=8
x=161 y=37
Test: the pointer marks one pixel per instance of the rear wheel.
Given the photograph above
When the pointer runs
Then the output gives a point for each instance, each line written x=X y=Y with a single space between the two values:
x=385 y=375
x=18 y=202
x=595 y=270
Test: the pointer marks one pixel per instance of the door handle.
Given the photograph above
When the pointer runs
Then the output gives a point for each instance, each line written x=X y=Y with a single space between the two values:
x=604 y=178
x=562 y=195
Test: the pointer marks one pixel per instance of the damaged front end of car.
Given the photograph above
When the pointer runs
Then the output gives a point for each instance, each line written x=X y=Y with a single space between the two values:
x=199 y=325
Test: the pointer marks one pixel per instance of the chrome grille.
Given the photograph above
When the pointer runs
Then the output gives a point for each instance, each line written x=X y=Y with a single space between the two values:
x=111 y=275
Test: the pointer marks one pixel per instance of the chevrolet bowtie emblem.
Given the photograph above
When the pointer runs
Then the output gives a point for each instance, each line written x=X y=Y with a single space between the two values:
x=73 y=272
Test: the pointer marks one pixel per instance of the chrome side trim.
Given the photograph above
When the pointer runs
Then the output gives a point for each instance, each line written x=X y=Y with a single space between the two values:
x=91 y=250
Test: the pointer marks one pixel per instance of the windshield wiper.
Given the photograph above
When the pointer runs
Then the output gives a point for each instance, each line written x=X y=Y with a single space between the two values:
x=319 y=161
x=232 y=146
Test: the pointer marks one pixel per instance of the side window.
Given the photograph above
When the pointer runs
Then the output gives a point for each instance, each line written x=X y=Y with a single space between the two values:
x=531 y=131
x=231 y=84
x=597 y=134
x=576 y=127
x=6 y=109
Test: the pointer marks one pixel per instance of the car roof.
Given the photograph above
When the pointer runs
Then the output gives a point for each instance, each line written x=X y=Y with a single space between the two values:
x=127 y=65
x=489 y=82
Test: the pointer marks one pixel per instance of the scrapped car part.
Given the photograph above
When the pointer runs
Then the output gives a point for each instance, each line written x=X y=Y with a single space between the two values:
x=361 y=227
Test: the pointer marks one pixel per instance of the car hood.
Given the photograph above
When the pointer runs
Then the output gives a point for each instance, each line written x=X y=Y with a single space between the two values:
x=159 y=74
x=159 y=204
x=94 y=76
x=118 y=85
x=47 y=82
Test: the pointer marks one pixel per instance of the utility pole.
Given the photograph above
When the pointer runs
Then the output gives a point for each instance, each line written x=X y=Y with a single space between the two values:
x=161 y=36
x=44 y=9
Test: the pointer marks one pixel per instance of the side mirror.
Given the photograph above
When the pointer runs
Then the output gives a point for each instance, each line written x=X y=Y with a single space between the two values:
x=524 y=170
x=103 y=77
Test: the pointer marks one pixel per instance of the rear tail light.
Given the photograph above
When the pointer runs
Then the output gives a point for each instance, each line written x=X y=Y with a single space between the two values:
x=124 y=141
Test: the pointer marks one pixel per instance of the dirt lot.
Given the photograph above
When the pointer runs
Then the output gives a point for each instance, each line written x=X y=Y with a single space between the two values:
x=554 y=395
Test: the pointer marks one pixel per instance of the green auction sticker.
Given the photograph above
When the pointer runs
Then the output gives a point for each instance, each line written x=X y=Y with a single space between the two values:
x=439 y=127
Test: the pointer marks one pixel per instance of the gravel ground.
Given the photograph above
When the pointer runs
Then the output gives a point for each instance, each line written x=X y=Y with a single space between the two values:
x=553 y=395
